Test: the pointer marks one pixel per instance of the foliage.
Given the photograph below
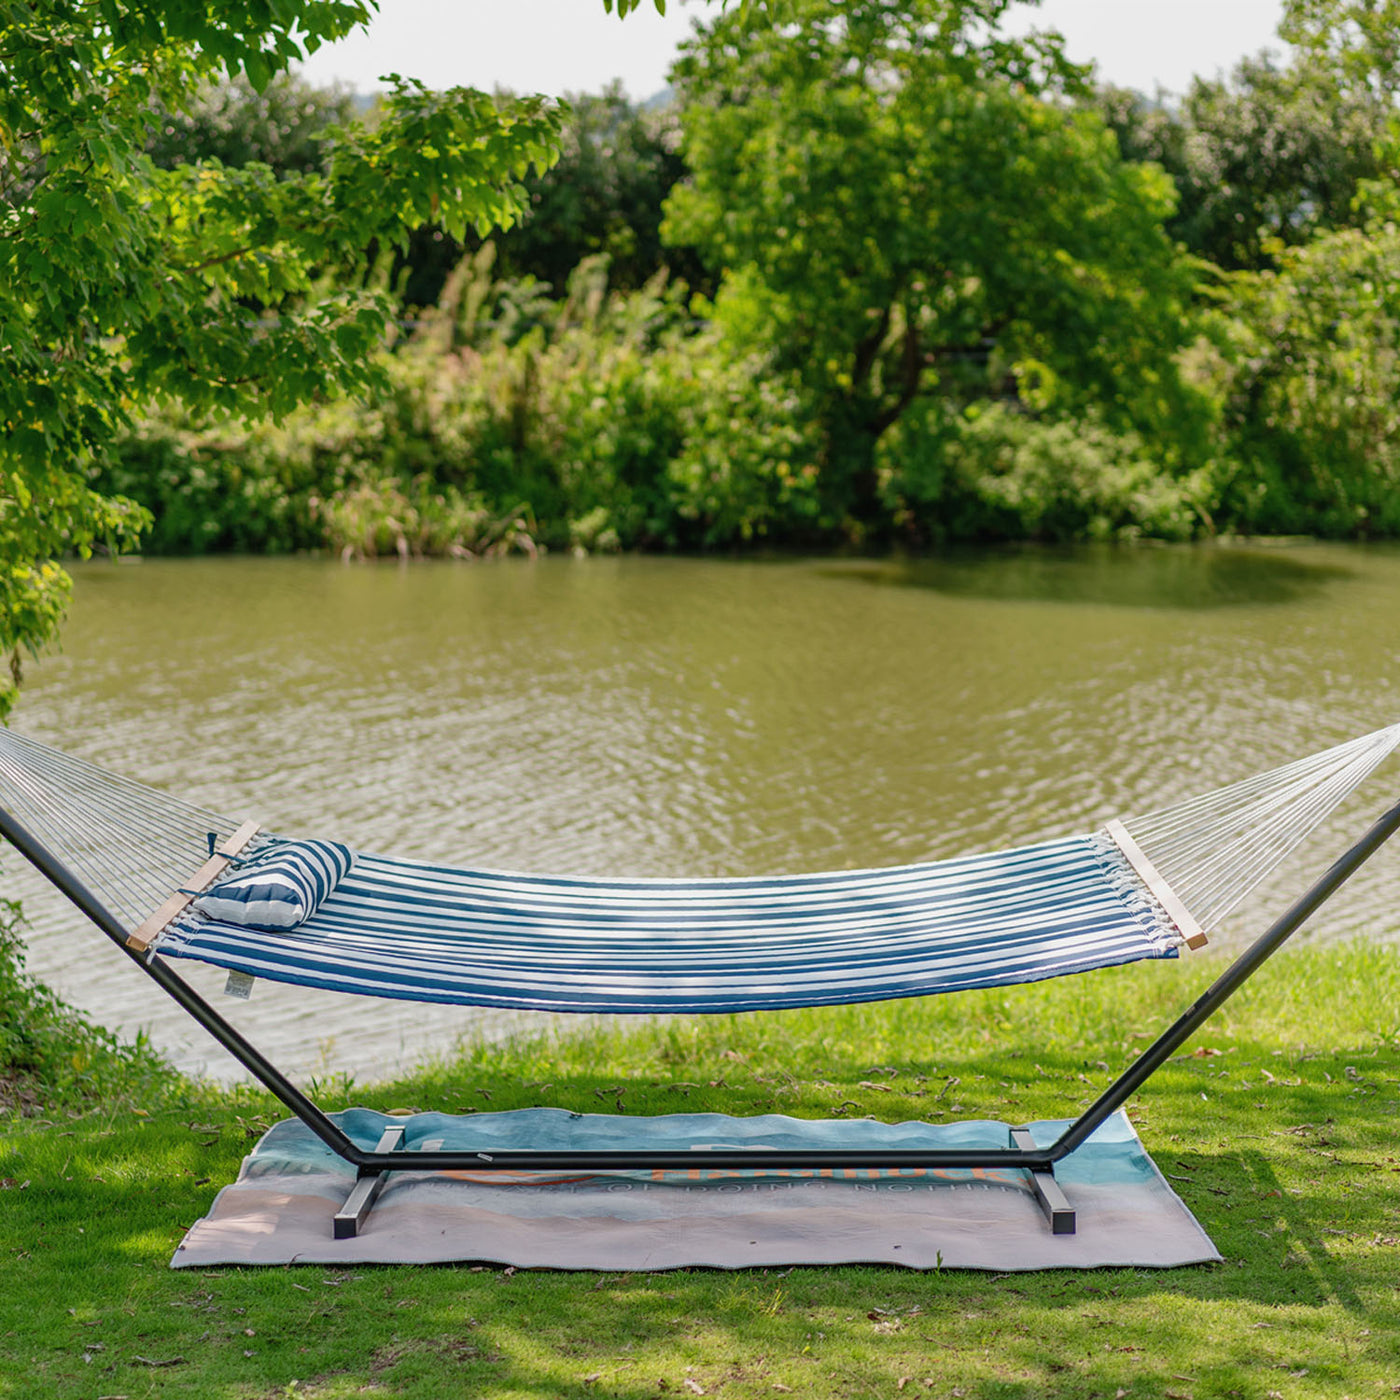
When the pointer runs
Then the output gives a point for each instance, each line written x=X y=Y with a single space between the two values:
x=993 y=472
x=600 y=420
x=617 y=162
x=49 y=1050
x=383 y=515
x=950 y=305
x=46 y=512
x=1273 y=156
x=121 y=281
x=1355 y=42
x=1311 y=378
x=234 y=123
x=906 y=209
x=318 y=479
x=617 y=420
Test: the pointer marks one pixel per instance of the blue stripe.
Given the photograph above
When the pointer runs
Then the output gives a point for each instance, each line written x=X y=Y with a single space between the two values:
x=429 y=933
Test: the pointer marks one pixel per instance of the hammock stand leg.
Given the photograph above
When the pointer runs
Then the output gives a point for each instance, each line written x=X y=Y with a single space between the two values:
x=238 y=1045
x=350 y=1218
x=1224 y=986
x=1023 y=1155
x=1054 y=1204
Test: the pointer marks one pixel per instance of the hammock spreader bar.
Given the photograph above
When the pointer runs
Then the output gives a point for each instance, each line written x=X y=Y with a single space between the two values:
x=371 y=1164
x=1191 y=932
x=141 y=937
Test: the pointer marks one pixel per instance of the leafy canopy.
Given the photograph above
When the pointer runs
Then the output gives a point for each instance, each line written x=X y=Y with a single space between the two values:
x=1356 y=43
x=906 y=202
x=617 y=161
x=122 y=282
x=1268 y=156
x=233 y=123
x=1313 y=388
x=1275 y=155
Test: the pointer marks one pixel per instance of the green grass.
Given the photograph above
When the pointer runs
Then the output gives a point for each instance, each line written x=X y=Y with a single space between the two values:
x=1278 y=1129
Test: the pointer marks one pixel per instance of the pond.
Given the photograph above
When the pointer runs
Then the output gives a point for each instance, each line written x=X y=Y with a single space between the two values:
x=662 y=716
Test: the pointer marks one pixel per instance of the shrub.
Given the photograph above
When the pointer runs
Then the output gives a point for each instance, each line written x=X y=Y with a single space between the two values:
x=599 y=421
x=993 y=472
x=48 y=1050
x=1311 y=382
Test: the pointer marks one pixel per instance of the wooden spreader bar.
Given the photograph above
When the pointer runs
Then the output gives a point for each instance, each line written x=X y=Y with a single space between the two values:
x=141 y=937
x=1162 y=892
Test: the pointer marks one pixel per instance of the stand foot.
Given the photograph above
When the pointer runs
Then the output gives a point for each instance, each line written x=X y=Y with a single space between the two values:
x=358 y=1204
x=1048 y=1195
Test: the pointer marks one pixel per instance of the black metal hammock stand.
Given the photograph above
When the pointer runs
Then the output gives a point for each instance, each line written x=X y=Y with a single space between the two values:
x=313 y=914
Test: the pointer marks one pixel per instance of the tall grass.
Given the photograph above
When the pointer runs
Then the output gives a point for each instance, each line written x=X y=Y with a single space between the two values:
x=511 y=419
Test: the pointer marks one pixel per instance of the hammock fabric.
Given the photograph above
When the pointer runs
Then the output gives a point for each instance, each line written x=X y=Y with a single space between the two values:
x=406 y=929
x=422 y=932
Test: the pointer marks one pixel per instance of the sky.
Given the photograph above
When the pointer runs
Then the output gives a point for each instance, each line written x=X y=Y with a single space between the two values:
x=556 y=46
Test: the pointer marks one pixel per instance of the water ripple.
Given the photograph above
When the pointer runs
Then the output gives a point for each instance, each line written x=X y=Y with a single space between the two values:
x=684 y=717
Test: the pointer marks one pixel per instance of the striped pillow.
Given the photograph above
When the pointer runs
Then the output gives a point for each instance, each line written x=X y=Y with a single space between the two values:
x=281 y=887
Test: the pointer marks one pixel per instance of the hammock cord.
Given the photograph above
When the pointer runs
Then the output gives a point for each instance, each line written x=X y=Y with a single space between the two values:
x=132 y=845
x=1214 y=849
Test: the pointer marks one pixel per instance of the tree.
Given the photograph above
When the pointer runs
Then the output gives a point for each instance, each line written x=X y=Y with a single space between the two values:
x=905 y=202
x=1275 y=155
x=1270 y=157
x=1312 y=389
x=235 y=124
x=121 y=281
x=1354 y=43
x=617 y=162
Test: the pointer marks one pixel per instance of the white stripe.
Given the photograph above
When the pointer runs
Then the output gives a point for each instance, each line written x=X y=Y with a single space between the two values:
x=512 y=940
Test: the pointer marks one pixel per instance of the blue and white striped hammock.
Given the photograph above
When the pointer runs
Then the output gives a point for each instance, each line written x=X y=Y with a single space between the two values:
x=430 y=933
x=418 y=931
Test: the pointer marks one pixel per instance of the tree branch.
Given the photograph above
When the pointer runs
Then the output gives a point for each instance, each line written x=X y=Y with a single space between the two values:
x=867 y=350
x=19 y=179
x=222 y=258
x=911 y=368
x=986 y=338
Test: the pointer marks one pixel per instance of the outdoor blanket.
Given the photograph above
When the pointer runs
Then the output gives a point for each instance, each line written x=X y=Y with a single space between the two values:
x=279 y=1210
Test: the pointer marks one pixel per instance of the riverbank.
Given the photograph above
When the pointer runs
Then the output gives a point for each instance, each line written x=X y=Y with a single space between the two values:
x=1277 y=1128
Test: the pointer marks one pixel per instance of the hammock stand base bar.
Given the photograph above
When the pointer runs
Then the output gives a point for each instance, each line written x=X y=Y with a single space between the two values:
x=350 y=1218
x=1053 y=1203
x=388 y=1156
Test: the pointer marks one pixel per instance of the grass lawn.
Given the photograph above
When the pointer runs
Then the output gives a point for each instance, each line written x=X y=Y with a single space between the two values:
x=1278 y=1128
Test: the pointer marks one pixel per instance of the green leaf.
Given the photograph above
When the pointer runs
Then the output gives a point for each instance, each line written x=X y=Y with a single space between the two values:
x=259 y=72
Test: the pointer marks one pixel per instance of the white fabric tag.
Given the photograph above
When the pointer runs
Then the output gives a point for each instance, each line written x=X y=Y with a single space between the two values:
x=240 y=985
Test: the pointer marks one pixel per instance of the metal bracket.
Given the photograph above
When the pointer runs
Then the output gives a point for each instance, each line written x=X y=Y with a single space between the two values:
x=351 y=1216
x=1048 y=1195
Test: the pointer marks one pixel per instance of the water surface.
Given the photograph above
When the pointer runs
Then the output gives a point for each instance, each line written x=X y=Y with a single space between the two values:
x=699 y=717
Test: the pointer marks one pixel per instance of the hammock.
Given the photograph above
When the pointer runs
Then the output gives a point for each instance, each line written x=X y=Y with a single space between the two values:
x=411 y=930
x=1140 y=888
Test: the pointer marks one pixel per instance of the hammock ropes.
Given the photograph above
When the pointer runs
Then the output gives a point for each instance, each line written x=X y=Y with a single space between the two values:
x=419 y=931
